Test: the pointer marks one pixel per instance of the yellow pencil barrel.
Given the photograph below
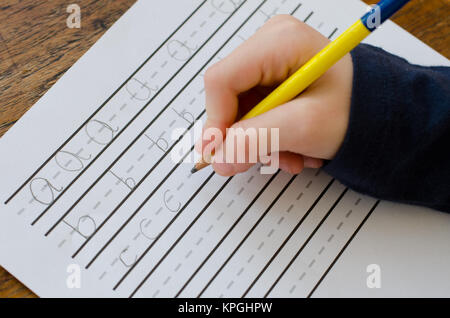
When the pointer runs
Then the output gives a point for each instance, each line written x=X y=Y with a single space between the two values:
x=312 y=70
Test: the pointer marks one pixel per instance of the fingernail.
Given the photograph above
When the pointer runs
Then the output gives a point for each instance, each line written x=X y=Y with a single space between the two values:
x=199 y=146
x=224 y=169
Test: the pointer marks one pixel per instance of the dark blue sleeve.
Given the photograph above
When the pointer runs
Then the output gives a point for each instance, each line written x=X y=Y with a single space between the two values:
x=397 y=145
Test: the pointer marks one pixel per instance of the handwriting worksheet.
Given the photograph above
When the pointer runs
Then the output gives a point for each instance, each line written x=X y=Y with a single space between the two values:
x=88 y=185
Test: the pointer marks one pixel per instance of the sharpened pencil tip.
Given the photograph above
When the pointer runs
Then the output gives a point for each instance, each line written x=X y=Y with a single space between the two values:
x=194 y=170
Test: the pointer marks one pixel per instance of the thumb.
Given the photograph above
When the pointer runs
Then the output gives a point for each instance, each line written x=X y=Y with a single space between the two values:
x=257 y=62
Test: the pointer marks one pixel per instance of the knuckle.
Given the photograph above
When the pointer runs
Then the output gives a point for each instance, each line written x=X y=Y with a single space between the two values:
x=281 y=19
x=212 y=75
x=288 y=23
x=241 y=126
x=290 y=29
x=310 y=124
x=238 y=125
x=295 y=28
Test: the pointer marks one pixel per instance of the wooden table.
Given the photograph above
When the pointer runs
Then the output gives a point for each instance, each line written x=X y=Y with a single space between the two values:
x=36 y=48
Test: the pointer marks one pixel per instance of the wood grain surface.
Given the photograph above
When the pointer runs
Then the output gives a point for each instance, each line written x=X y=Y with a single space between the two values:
x=36 y=48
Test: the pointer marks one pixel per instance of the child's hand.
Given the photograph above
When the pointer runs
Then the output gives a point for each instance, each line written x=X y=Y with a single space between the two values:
x=312 y=127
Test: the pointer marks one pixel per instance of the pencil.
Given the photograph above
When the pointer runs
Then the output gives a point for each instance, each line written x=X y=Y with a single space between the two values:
x=322 y=61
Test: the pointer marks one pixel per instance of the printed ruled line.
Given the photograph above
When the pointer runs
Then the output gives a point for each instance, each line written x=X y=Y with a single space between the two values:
x=160 y=234
x=333 y=33
x=306 y=243
x=288 y=238
x=309 y=16
x=228 y=233
x=246 y=236
x=296 y=8
x=180 y=237
x=344 y=248
x=137 y=186
x=127 y=196
x=104 y=103
x=135 y=213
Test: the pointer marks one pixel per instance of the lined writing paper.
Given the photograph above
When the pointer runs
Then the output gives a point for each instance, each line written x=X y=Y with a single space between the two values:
x=88 y=178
